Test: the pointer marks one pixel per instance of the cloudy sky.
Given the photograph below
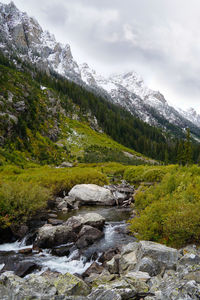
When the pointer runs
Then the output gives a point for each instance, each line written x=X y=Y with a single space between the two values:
x=159 y=39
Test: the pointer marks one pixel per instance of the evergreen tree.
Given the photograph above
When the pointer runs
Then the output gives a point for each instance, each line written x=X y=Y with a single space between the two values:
x=188 y=148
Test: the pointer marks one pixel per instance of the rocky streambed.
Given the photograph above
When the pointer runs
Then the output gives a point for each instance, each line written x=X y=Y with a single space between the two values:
x=86 y=252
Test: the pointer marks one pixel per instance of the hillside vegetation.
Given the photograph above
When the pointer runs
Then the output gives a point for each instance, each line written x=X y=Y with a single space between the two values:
x=49 y=119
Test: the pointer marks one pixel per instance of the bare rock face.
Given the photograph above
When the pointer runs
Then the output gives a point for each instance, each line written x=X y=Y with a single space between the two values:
x=92 y=194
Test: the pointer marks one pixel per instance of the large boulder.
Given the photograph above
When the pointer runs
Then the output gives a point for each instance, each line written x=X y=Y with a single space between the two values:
x=87 y=236
x=91 y=219
x=50 y=236
x=165 y=257
x=47 y=286
x=92 y=194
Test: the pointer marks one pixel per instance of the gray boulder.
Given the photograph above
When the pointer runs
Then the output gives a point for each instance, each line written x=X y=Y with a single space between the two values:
x=165 y=257
x=92 y=194
x=50 y=236
x=87 y=236
x=91 y=219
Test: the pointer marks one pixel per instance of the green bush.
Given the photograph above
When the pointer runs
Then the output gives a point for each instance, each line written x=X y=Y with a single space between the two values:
x=20 y=200
x=147 y=173
x=168 y=212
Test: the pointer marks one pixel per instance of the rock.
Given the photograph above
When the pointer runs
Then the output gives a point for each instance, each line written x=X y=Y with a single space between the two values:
x=61 y=251
x=25 y=251
x=101 y=294
x=147 y=264
x=69 y=284
x=47 y=286
x=92 y=194
x=108 y=255
x=66 y=164
x=75 y=222
x=24 y=268
x=71 y=202
x=20 y=288
x=64 y=210
x=62 y=204
x=91 y=219
x=98 y=279
x=87 y=236
x=55 y=222
x=95 y=268
x=195 y=276
x=164 y=257
x=128 y=258
x=52 y=216
x=50 y=236
x=122 y=287
x=142 y=276
x=113 y=265
x=19 y=231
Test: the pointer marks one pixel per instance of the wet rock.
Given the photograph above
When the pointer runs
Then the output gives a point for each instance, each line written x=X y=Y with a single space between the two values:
x=25 y=251
x=50 y=236
x=24 y=268
x=87 y=236
x=61 y=251
x=92 y=194
x=91 y=219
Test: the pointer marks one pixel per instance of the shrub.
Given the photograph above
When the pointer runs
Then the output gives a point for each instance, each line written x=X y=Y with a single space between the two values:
x=20 y=200
x=168 y=212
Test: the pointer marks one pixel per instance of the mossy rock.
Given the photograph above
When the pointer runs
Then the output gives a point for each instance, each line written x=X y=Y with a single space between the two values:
x=70 y=285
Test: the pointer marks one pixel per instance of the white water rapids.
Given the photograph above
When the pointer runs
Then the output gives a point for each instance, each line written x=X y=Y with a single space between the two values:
x=77 y=261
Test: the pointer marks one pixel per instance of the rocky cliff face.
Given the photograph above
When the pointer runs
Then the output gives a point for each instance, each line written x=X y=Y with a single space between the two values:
x=24 y=36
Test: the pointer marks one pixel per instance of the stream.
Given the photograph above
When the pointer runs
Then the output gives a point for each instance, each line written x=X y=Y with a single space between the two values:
x=77 y=261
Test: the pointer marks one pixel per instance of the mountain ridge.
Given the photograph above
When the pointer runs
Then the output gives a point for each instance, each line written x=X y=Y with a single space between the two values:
x=24 y=35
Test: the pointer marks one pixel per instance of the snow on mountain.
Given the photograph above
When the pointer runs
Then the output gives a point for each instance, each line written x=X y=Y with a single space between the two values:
x=23 y=35
x=191 y=115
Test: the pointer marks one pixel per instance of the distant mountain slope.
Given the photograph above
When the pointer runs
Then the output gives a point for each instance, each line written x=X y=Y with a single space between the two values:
x=23 y=36
x=54 y=122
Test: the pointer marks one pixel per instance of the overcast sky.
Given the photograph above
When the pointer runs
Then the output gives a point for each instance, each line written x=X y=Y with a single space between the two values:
x=159 y=39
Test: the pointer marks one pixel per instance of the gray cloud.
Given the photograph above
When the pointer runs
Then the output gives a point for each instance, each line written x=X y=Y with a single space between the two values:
x=158 y=39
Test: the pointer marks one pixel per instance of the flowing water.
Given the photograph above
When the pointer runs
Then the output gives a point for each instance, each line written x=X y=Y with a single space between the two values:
x=78 y=260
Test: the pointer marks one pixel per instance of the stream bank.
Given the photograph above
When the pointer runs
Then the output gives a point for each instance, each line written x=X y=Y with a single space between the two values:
x=89 y=254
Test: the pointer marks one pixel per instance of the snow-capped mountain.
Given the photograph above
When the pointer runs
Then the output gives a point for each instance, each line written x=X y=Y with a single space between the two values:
x=22 y=35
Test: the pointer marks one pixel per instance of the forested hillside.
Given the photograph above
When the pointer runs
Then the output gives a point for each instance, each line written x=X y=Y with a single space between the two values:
x=35 y=105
